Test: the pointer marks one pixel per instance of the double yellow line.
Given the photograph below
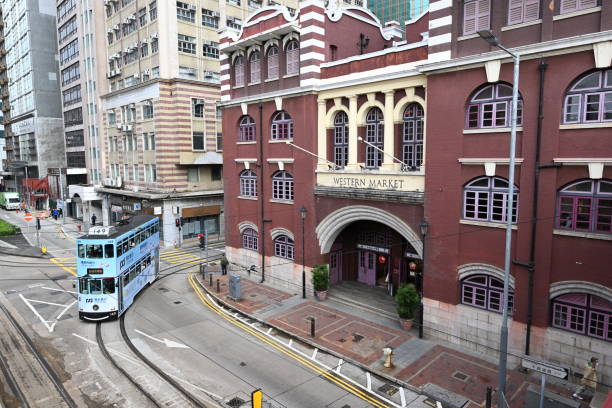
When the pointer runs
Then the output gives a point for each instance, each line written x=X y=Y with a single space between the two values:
x=64 y=267
x=283 y=349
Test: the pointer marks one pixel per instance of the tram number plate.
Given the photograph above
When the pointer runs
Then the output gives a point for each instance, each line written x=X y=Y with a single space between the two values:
x=95 y=271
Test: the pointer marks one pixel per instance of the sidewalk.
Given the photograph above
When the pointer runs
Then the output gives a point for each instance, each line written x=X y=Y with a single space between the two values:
x=359 y=337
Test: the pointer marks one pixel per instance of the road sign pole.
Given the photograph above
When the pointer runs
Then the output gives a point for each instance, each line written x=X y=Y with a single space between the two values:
x=542 y=386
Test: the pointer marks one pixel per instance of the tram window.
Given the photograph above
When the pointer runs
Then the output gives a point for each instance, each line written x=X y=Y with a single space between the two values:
x=147 y=233
x=126 y=279
x=109 y=286
x=95 y=286
x=125 y=246
x=81 y=251
x=119 y=250
x=109 y=251
x=83 y=286
x=94 y=251
x=132 y=241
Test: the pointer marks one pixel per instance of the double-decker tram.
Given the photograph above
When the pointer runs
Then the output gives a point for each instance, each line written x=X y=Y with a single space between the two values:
x=114 y=264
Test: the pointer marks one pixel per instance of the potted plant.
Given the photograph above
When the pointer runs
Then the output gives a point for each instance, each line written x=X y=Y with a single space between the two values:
x=407 y=302
x=320 y=281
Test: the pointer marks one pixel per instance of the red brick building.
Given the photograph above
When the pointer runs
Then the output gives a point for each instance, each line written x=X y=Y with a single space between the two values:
x=561 y=306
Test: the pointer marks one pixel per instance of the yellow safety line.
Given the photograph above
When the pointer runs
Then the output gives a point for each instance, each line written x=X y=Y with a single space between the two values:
x=67 y=269
x=280 y=347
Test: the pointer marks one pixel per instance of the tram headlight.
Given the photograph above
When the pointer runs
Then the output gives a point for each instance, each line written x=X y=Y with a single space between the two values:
x=95 y=307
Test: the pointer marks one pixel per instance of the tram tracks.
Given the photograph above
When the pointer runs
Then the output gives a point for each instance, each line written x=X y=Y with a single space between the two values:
x=30 y=377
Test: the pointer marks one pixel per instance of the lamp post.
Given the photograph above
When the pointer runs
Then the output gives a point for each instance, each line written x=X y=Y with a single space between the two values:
x=424 y=228
x=303 y=216
x=488 y=36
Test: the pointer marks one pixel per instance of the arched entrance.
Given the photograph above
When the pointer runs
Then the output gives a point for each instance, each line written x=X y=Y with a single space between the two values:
x=370 y=246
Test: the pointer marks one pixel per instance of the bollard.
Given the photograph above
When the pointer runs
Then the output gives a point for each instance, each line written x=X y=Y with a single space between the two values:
x=218 y=287
x=488 y=397
x=210 y=278
x=312 y=327
x=202 y=271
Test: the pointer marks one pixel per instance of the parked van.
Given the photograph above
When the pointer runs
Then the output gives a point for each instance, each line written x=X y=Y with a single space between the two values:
x=9 y=200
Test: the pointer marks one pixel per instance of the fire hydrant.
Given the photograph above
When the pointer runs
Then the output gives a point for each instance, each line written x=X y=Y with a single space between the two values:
x=388 y=352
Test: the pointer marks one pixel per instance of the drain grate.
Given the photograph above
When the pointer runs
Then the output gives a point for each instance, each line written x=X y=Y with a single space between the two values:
x=357 y=338
x=235 y=402
x=177 y=302
x=430 y=402
x=242 y=364
x=460 y=376
x=388 y=389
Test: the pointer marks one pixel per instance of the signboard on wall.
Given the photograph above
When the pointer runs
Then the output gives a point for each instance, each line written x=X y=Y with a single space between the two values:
x=201 y=211
x=374 y=248
x=23 y=127
x=157 y=210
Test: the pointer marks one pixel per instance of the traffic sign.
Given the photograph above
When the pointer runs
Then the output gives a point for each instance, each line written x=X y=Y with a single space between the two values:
x=28 y=217
x=545 y=367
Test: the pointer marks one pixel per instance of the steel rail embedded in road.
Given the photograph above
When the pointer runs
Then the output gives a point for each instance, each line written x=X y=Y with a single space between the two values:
x=107 y=355
x=155 y=368
x=12 y=383
x=51 y=374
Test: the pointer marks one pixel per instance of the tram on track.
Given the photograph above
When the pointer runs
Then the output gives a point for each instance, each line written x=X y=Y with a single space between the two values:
x=114 y=264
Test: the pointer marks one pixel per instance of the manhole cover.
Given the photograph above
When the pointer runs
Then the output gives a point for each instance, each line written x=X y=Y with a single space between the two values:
x=162 y=289
x=387 y=389
x=235 y=402
x=357 y=338
x=242 y=364
x=177 y=302
x=460 y=376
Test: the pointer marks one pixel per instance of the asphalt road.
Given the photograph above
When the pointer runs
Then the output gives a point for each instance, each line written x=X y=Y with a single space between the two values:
x=169 y=324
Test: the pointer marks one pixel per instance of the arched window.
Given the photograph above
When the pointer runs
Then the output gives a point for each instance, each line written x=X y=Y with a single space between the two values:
x=486 y=199
x=250 y=240
x=375 y=136
x=293 y=57
x=412 y=142
x=246 y=129
x=282 y=126
x=491 y=107
x=341 y=139
x=248 y=183
x=586 y=206
x=239 y=71
x=255 y=66
x=284 y=247
x=589 y=100
x=584 y=314
x=485 y=292
x=282 y=186
x=273 y=62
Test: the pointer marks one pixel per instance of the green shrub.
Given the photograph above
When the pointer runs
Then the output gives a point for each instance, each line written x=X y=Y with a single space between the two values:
x=320 y=278
x=407 y=301
x=7 y=228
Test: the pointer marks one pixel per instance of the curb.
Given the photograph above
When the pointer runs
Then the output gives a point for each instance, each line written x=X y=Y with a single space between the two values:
x=313 y=344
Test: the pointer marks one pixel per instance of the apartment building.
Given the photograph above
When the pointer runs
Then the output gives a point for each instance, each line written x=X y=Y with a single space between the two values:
x=82 y=75
x=162 y=129
x=34 y=143
x=4 y=174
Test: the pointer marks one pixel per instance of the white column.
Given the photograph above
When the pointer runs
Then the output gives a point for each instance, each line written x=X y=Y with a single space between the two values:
x=352 y=147
x=389 y=145
x=321 y=135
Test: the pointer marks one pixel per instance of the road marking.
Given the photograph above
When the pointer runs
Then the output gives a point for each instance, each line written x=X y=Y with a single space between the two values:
x=35 y=285
x=67 y=269
x=339 y=366
x=344 y=383
x=314 y=354
x=369 y=382
x=168 y=343
x=46 y=303
x=138 y=363
x=7 y=245
x=59 y=290
x=65 y=310
x=33 y=309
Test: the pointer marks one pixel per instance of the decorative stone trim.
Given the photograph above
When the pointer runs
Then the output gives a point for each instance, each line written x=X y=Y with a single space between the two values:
x=277 y=232
x=244 y=225
x=575 y=286
x=467 y=270
x=331 y=226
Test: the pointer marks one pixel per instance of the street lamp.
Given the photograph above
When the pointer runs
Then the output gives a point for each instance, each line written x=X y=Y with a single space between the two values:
x=503 y=338
x=303 y=216
x=424 y=228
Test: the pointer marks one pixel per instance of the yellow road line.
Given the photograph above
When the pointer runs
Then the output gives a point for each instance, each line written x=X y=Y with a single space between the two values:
x=179 y=256
x=67 y=269
x=280 y=347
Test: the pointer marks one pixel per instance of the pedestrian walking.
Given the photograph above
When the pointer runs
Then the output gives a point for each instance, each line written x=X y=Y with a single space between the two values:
x=54 y=214
x=224 y=263
x=589 y=379
x=93 y=220
x=60 y=213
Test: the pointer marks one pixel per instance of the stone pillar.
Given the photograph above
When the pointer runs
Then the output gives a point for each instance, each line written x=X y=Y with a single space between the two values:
x=106 y=211
x=352 y=147
x=321 y=135
x=389 y=163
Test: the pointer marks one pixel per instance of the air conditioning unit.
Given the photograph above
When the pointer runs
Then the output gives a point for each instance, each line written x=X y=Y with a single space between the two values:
x=191 y=7
x=146 y=72
x=119 y=126
x=132 y=105
x=216 y=14
x=108 y=182
x=127 y=128
x=118 y=182
x=116 y=27
x=135 y=189
x=208 y=74
x=132 y=17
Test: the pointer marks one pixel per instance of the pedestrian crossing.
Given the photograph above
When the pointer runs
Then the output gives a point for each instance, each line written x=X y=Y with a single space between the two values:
x=191 y=256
